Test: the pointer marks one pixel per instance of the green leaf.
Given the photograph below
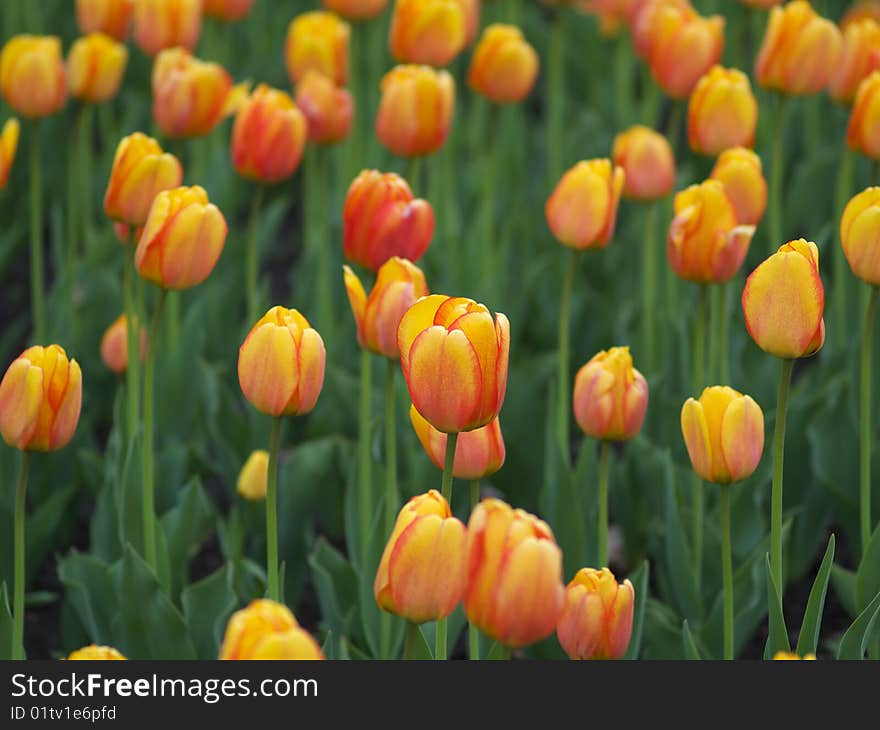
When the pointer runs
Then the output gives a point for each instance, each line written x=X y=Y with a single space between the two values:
x=336 y=585
x=855 y=640
x=689 y=643
x=639 y=580
x=89 y=589
x=678 y=552
x=844 y=582
x=5 y=624
x=185 y=526
x=421 y=648
x=777 y=638
x=43 y=524
x=809 y=635
x=868 y=572
x=207 y=605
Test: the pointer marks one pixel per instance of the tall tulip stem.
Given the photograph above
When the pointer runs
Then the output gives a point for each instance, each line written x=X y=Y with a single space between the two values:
x=724 y=334
x=365 y=466
x=473 y=631
x=18 y=590
x=252 y=265
x=318 y=231
x=493 y=253
x=555 y=96
x=391 y=497
x=132 y=345
x=776 y=490
x=411 y=640
x=602 y=524
x=865 y=422
x=272 y=512
x=840 y=270
x=563 y=386
x=38 y=295
x=649 y=285
x=727 y=571
x=74 y=185
x=775 y=209
x=446 y=491
x=698 y=378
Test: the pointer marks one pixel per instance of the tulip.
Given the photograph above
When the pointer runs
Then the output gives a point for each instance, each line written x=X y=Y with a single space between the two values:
x=739 y=171
x=722 y=112
x=182 y=239
x=705 y=243
x=317 y=41
x=643 y=18
x=160 y=24
x=114 y=345
x=421 y=575
x=125 y=234
x=860 y=55
x=32 y=76
x=254 y=475
x=430 y=32
x=381 y=219
x=458 y=338
x=471 y=11
x=415 y=110
x=141 y=170
x=267 y=630
x=647 y=161
x=596 y=622
x=582 y=210
x=612 y=14
x=8 y=147
x=799 y=52
x=514 y=591
x=398 y=285
x=356 y=9
x=329 y=110
x=478 y=453
x=229 y=11
x=863 y=132
x=860 y=10
x=791 y=656
x=93 y=652
x=268 y=136
x=112 y=17
x=95 y=67
x=504 y=66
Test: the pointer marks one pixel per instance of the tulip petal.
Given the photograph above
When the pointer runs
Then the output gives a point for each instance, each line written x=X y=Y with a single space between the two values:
x=310 y=359
x=418 y=318
x=267 y=368
x=742 y=437
x=21 y=393
x=696 y=437
x=357 y=298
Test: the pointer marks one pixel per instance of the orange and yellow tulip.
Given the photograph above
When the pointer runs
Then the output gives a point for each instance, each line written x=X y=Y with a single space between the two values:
x=229 y=11
x=858 y=235
x=791 y=656
x=722 y=112
x=860 y=55
x=421 y=575
x=643 y=16
x=431 y=32
x=254 y=476
x=478 y=453
x=597 y=620
x=724 y=434
x=8 y=147
x=415 y=111
x=95 y=66
x=317 y=41
x=281 y=364
x=40 y=399
x=33 y=79
x=355 y=9
x=504 y=66
x=647 y=161
x=268 y=136
x=739 y=171
x=399 y=284
x=863 y=131
x=381 y=219
x=329 y=109
x=610 y=396
x=459 y=338
x=182 y=239
x=112 y=17
x=799 y=52
x=582 y=209
x=141 y=170
x=267 y=630
x=514 y=590
x=114 y=345
x=860 y=10
x=705 y=243
x=783 y=302
x=161 y=24
x=93 y=652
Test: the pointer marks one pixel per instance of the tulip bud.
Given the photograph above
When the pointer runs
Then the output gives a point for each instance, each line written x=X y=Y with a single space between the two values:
x=421 y=575
x=229 y=11
x=647 y=161
x=112 y=17
x=471 y=11
x=458 y=338
x=95 y=66
x=328 y=109
x=863 y=132
x=430 y=32
x=253 y=477
x=514 y=590
x=722 y=112
x=160 y=24
x=32 y=76
x=783 y=301
x=382 y=219
x=268 y=136
x=398 y=285
x=415 y=111
x=182 y=239
x=504 y=66
x=596 y=622
x=791 y=656
x=317 y=41
x=739 y=171
x=724 y=434
x=40 y=399
x=114 y=345
x=8 y=147
x=860 y=10
x=858 y=235
x=643 y=18
x=860 y=55
x=610 y=396
x=140 y=172
x=93 y=652
x=582 y=210
x=267 y=630
x=356 y=9
x=799 y=52
x=705 y=243
x=281 y=364
x=478 y=453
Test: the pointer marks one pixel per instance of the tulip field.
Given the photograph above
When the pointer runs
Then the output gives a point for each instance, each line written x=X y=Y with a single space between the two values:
x=439 y=329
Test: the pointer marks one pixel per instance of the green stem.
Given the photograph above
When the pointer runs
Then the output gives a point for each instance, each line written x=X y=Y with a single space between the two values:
x=446 y=490
x=253 y=259
x=776 y=491
x=623 y=70
x=18 y=594
x=724 y=335
x=74 y=185
x=318 y=228
x=840 y=269
x=727 y=571
x=132 y=344
x=602 y=525
x=697 y=487
x=38 y=294
x=555 y=97
x=774 y=217
x=562 y=384
x=272 y=513
x=492 y=251
x=473 y=631
x=86 y=116
x=674 y=131
x=173 y=317
x=365 y=497
x=391 y=497
x=411 y=640
x=714 y=333
x=649 y=286
x=865 y=491
x=149 y=508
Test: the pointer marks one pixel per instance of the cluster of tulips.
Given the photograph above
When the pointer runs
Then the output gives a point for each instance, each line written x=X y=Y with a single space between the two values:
x=504 y=565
